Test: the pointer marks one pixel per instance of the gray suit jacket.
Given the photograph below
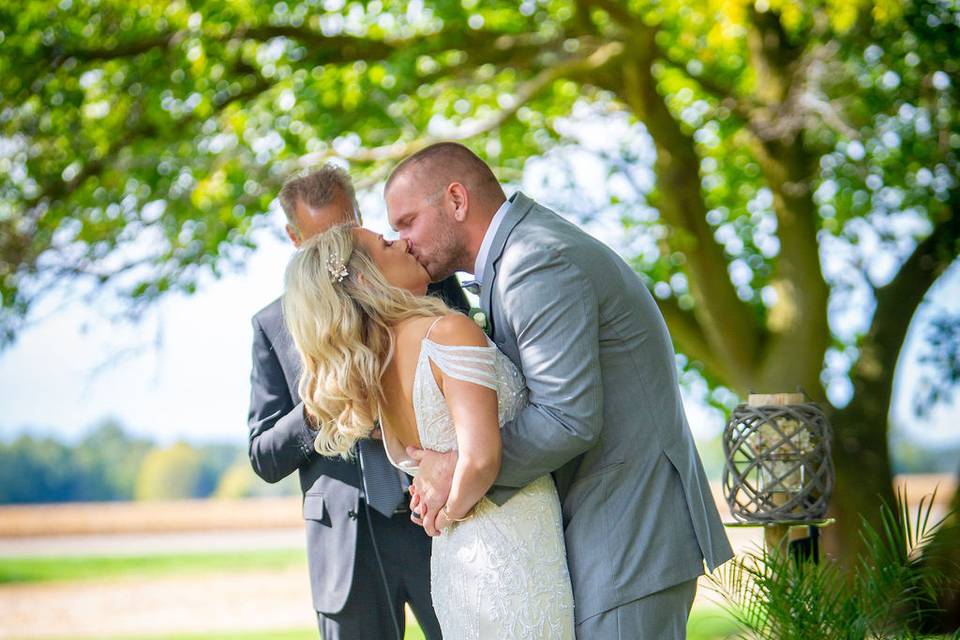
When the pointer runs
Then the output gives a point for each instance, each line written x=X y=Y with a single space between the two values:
x=281 y=443
x=605 y=414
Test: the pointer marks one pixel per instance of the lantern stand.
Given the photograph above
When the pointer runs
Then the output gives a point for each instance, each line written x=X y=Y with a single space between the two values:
x=778 y=472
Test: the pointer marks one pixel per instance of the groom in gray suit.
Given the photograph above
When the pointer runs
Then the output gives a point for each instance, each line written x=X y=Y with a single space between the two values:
x=366 y=559
x=605 y=414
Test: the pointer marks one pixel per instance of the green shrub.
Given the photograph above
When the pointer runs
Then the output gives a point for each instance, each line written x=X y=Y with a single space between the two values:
x=172 y=473
x=884 y=595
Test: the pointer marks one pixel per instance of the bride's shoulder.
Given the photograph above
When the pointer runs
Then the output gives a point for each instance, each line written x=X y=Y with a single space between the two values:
x=456 y=330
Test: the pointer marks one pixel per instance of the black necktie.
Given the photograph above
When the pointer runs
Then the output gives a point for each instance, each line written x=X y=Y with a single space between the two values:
x=381 y=481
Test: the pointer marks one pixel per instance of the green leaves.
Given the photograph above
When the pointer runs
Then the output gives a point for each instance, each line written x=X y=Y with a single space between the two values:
x=884 y=596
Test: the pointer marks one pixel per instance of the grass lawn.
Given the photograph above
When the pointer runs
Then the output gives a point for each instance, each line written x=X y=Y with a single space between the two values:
x=91 y=567
x=710 y=623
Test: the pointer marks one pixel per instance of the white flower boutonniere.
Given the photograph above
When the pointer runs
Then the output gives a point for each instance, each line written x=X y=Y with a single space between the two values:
x=481 y=319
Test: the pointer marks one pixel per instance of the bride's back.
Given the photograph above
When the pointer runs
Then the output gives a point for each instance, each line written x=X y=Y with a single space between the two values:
x=398 y=379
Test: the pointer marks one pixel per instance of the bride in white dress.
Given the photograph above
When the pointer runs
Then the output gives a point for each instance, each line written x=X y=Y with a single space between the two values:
x=374 y=347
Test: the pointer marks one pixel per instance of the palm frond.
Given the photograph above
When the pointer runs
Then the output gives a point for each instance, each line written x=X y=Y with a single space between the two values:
x=884 y=595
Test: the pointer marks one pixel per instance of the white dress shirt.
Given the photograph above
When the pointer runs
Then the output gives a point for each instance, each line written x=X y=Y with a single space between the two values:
x=488 y=237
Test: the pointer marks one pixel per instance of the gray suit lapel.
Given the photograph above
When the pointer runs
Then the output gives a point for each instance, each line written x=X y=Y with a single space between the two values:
x=519 y=207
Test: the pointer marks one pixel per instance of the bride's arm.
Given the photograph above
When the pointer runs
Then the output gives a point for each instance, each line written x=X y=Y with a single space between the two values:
x=473 y=408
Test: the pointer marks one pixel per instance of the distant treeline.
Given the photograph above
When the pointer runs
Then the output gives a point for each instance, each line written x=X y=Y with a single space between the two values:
x=110 y=464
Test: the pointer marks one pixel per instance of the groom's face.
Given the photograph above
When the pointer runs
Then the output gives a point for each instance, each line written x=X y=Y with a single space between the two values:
x=418 y=211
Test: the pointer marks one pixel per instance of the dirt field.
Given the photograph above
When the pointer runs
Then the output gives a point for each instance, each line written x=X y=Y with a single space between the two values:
x=144 y=517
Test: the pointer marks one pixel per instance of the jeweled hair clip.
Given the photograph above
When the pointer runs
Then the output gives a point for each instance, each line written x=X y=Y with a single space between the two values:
x=336 y=267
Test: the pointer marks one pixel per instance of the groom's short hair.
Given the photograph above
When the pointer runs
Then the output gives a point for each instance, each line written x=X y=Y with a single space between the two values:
x=317 y=188
x=446 y=162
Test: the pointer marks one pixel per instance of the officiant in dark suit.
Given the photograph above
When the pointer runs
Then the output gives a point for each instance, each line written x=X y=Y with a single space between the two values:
x=367 y=560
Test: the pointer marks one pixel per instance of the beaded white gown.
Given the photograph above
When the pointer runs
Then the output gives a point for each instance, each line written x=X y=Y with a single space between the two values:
x=502 y=574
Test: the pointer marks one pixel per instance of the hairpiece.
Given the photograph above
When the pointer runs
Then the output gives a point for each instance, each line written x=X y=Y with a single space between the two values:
x=336 y=267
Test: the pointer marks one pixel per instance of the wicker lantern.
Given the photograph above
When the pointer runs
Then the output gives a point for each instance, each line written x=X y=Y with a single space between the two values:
x=778 y=466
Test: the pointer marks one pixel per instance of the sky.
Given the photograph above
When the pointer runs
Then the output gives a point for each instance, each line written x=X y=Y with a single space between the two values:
x=182 y=371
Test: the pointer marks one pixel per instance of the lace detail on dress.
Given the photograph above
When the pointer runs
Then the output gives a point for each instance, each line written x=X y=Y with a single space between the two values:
x=502 y=573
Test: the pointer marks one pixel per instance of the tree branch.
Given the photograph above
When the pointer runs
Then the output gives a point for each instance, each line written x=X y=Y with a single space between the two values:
x=524 y=94
x=897 y=302
x=797 y=325
x=740 y=106
x=122 y=50
x=726 y=325
x=339 y=48
x=773 y=55
x=690 y=339
x=730 y=327
x=615 y=10
x=60 y=188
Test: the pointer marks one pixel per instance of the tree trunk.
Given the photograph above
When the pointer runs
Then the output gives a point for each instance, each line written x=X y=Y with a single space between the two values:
x=861 y=428
x=862 y=462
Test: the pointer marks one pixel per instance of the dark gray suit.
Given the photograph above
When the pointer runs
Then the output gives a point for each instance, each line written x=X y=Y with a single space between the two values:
x=348 y=591
x=605 y=416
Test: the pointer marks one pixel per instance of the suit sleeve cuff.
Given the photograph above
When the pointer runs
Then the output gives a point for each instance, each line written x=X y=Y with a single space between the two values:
x=296 y=423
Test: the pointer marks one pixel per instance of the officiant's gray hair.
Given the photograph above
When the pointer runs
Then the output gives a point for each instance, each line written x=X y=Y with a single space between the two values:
x=317 y=188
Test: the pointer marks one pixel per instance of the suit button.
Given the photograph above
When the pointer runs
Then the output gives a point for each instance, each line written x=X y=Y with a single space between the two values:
x=352 y=514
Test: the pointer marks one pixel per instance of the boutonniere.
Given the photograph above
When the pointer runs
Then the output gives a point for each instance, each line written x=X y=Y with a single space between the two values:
x=481 y=319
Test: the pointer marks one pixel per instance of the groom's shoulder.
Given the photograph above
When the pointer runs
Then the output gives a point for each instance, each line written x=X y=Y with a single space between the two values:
x=554 y=228
x=543 y=233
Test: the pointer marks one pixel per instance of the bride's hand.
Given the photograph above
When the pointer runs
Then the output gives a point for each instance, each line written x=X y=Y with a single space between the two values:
x=441 y=522
x=432 y=484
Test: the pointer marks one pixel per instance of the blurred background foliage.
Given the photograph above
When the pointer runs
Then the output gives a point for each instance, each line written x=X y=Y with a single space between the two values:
x=108 y=463
x=783 y=175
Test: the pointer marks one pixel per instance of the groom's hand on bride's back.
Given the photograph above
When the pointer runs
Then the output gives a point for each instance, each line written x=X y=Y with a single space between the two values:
x=431 y=487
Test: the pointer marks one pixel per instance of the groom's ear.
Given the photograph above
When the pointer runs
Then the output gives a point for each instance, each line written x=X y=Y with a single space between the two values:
x=461 y=200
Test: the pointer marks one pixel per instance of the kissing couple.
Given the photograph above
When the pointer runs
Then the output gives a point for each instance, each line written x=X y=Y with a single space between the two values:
x=552 y=460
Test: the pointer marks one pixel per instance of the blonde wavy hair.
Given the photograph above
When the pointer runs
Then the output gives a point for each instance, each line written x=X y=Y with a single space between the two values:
x=342 y=329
